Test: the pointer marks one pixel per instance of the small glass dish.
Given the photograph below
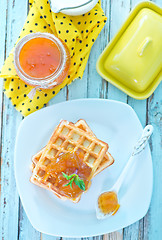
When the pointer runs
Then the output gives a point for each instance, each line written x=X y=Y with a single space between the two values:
x=51 y=80
x=71 y=7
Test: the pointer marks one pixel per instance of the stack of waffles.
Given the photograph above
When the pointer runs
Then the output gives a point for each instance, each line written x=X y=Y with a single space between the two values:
x=69 y=137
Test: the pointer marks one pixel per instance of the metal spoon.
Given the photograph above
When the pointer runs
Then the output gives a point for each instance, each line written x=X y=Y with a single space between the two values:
x=141 y=144
x=59 y=8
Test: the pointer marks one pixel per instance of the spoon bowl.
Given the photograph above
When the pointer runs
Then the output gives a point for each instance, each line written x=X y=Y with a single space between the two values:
x=103 y=201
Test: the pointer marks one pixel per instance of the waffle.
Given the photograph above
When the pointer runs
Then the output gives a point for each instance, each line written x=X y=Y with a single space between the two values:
x=67 y=136
x=106 y=161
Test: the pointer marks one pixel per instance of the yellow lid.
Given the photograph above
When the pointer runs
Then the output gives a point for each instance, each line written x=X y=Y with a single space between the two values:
x=132 y=61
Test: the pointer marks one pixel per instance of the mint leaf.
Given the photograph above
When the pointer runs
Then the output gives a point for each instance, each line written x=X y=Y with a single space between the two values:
x=65 y=176
x=69 y=183
x=82 y=185
x=74 y=177
x=79 y=182
x=68 y=177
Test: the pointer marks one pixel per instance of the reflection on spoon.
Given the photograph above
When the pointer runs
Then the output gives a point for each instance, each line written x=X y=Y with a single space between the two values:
x=107 y=202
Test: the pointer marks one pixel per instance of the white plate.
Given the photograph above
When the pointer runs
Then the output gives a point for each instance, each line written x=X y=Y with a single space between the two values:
x=115 y=123
x=73 y=8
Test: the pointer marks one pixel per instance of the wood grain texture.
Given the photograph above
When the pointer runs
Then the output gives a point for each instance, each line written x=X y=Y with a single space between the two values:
x=16 y=13
x=2 y=57
x=119 y=12
x=11 y=119
x=154 y=230
x=14 y=223
x=25 y=229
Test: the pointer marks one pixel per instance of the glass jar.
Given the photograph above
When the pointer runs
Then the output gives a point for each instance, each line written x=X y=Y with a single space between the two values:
x=27 y=55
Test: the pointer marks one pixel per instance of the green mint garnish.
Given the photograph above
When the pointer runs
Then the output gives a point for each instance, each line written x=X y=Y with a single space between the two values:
x=74 y=178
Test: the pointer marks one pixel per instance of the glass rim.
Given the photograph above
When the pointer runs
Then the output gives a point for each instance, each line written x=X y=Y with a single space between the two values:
x=42 y=82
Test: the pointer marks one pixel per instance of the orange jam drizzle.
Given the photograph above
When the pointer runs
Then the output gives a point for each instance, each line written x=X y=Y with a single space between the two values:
x=108 y=203
x=39 y=57
x=69 y=163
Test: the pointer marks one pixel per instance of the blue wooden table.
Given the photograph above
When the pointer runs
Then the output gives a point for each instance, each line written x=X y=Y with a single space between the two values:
x=14 y=223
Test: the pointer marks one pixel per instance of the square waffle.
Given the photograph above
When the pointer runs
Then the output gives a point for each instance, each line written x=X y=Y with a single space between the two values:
x=67 y=136
x=106 y=161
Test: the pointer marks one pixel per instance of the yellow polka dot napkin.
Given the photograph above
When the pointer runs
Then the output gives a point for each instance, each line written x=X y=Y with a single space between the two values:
x=78 y=32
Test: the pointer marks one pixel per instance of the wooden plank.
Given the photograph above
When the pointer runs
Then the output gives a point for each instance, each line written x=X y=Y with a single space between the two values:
x=2 y=54
x=155 y=118
x=118 y=14
x=60 y=97
x=11 y=120
x=90 y=85
x=9 y=196
x=118 y=235
x=25 y=229
x=152 y=227
x=96 y=86
x=47 y=237
x=78 y=89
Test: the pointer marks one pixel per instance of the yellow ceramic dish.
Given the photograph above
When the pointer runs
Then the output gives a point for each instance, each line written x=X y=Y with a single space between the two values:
x=132 y=61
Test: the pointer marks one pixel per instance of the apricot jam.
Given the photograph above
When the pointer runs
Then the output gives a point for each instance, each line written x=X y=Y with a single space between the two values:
x=108 y=203
x=39 y=57
x=42 y=60
x=69 y=163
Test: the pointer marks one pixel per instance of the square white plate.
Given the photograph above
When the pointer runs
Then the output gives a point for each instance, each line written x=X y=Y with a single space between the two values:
x=113 y=122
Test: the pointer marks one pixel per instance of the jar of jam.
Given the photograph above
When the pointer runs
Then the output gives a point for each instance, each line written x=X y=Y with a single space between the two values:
x=42 y=60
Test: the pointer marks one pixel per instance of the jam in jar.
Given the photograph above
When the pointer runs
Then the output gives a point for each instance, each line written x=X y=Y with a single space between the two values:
x=42 y=60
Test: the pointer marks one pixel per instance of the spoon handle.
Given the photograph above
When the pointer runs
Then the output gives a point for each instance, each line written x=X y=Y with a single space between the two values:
x=147 y=131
